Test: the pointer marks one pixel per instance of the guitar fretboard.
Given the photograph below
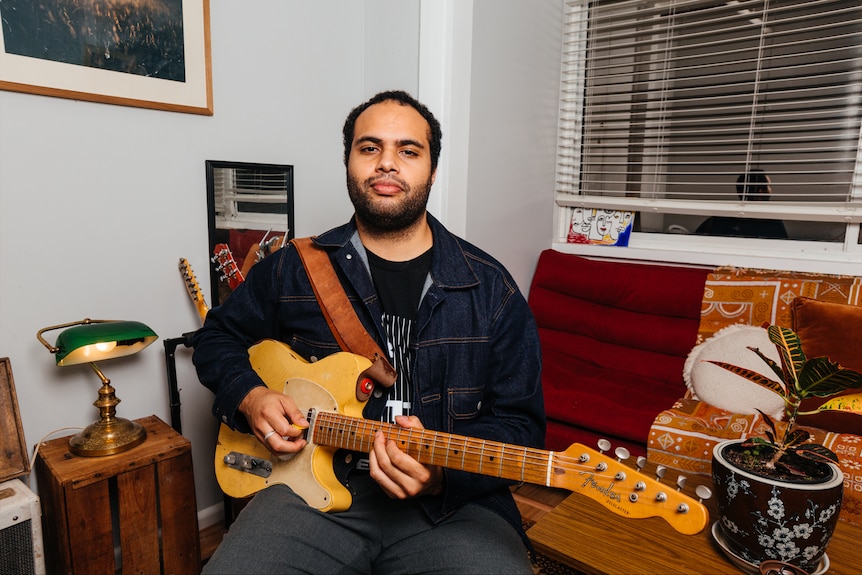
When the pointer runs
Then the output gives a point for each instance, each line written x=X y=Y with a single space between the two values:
x=435 y=448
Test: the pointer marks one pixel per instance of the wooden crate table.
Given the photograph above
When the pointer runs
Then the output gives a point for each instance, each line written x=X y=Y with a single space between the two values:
x=145 y=495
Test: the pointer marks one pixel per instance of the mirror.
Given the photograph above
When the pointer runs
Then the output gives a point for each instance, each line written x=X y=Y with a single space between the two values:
x=250 y=209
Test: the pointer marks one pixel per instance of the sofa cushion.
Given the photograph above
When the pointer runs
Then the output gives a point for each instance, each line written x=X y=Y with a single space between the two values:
x=833 y=330
x=829 y=329
x=614 y=339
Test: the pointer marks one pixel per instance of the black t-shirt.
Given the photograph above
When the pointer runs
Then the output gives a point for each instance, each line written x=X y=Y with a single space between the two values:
x=399 y=286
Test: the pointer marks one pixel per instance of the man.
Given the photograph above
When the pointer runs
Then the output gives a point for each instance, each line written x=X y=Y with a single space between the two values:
x=753 y=187
x=460 y=336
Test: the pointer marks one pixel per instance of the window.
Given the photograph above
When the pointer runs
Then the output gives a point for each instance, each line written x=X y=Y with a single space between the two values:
x=666 y=103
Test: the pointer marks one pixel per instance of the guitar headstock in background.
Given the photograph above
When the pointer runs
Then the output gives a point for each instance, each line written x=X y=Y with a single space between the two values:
x=226 y=265
x=193 y=289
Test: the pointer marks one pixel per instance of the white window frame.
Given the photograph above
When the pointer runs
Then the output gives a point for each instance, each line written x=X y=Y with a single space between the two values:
x=825 y=257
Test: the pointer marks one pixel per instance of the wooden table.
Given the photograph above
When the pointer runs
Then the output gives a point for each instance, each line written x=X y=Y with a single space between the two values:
x=145 y=495
x=584 y=534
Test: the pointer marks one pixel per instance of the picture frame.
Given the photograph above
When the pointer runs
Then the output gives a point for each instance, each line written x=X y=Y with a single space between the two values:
x=250 y=216
x=14 y=459
x=126 y=53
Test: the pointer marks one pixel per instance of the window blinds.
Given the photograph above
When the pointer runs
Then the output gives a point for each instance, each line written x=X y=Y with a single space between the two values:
x=672 y=100
x=251 y=196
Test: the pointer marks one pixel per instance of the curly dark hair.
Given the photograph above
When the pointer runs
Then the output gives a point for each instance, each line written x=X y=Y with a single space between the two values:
x=435 y=134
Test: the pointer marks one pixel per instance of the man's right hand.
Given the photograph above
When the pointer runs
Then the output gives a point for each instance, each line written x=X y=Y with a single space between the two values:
x=269 y=411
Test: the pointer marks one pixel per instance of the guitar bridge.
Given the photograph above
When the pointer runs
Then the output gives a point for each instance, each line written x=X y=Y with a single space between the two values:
x=248 y=464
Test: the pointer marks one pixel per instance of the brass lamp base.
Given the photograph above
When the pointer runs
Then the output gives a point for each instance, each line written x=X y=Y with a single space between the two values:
x=107 y=437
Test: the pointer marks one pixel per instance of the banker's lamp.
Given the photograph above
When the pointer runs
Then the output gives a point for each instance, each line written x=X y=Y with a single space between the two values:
x=88 y=341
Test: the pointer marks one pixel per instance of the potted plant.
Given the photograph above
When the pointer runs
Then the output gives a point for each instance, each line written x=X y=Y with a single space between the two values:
x=778 y=496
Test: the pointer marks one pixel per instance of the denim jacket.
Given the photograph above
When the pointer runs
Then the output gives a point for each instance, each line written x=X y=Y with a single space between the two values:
x=477 y=361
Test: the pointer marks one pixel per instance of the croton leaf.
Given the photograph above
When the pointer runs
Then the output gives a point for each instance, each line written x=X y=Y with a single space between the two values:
x=788 y=345
x=816 y=452
x=792 y=467
x=851 y=403
x=796 y=437
x=778 y=370
x=821 y=377
x=751 y=375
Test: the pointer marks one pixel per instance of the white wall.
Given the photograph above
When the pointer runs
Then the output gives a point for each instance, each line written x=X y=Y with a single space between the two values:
x=514 y=98
x=98 y=202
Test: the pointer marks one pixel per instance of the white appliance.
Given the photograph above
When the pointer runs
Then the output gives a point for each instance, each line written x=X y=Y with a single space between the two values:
x=21 y=550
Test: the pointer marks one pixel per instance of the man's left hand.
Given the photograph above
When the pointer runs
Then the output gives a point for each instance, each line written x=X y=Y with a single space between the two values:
x=401 y=476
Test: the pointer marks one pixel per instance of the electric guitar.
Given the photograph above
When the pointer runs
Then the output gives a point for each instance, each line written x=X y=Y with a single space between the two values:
x=330 y=392
x=223 y=258
x=193 y=289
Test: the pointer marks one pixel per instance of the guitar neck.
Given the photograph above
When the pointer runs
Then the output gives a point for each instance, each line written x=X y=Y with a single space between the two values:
x=469 y=454
x=606 y=480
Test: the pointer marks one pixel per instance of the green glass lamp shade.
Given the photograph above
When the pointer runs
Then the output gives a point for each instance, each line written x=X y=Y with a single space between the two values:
x=103 y=340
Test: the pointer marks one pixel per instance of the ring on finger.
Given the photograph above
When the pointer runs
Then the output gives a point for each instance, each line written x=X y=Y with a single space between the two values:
x=268 y=435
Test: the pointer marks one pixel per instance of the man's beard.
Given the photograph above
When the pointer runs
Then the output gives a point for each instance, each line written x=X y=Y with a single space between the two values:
x=390 y=219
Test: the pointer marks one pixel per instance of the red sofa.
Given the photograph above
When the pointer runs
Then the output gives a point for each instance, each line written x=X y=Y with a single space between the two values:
x=614 y=337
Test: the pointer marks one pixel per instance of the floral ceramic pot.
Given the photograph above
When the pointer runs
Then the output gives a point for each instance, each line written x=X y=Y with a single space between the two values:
x=765 y=519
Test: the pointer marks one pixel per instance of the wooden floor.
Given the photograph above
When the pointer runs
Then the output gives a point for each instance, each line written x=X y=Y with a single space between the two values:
x=532 y=500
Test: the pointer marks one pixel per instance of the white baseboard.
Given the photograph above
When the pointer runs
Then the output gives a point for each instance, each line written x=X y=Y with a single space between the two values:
x=210 y=516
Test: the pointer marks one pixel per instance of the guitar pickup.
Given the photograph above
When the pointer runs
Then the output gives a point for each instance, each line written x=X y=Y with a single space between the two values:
x=248 y=464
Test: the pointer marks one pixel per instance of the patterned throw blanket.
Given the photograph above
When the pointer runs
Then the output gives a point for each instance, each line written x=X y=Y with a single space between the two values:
x=683 y=436
x=751 y=297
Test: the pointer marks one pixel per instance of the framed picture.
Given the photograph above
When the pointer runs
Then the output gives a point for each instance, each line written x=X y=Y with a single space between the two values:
x=144 y=53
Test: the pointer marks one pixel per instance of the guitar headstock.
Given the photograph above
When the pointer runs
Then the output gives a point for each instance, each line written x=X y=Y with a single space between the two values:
x=193 y=289
x=223 y=258
x=625 y=490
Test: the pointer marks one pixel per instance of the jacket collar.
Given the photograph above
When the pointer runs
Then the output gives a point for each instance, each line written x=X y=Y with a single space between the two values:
x=450 y=267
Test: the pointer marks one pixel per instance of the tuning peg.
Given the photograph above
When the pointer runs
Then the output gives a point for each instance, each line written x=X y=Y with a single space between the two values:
x=604 y=445
x=641 y=462
x=659 y=472
x=622 y=454
x=680 y=482
x=703 y=492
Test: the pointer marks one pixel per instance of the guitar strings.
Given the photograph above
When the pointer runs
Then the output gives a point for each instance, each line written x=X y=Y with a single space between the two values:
x=479 y=455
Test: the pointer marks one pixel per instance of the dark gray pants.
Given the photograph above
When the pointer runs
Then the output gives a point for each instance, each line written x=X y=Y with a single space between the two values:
x=278 y=533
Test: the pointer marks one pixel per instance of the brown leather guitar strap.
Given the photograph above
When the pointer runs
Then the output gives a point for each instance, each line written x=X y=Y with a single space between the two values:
x=340 y=315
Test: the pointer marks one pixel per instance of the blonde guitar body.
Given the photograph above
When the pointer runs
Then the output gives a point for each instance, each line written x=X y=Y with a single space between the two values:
x=329 y=391
x=310 y=472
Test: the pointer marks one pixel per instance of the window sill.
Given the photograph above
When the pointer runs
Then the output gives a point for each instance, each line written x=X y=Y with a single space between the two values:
x=813 y=257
